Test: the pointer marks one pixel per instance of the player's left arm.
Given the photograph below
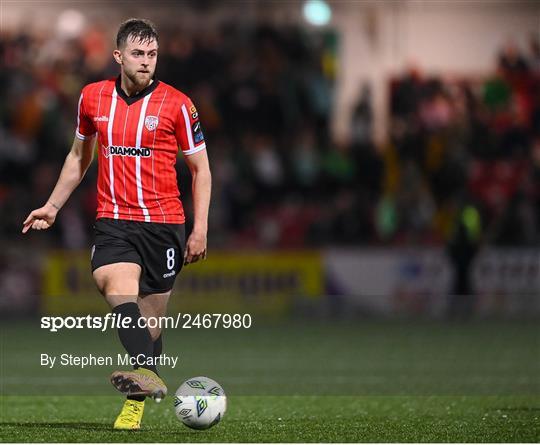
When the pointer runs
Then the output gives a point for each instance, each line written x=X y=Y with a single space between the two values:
x=201 y=187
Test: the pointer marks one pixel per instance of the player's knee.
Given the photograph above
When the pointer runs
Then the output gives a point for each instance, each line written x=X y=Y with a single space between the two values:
x=110 y=286
x=107 y=287
x=118 y=279
x=101 y=283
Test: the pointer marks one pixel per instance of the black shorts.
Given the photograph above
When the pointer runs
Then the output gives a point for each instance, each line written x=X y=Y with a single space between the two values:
x=157 y=248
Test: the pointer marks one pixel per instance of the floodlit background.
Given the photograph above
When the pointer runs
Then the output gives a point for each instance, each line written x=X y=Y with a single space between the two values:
x=376 y=169
x=397 y=144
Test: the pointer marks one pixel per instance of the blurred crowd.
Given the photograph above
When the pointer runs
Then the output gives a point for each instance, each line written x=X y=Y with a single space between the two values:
x=265 y=99
x=466 y=144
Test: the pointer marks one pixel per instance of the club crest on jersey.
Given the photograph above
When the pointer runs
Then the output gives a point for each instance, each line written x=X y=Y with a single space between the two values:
x=151 y=123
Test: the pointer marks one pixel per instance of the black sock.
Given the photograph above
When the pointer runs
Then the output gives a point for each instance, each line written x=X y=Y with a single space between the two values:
x=136 y=340
x=158 y=348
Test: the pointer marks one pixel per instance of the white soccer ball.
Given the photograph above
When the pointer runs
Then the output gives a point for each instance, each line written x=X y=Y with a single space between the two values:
x=200 y=403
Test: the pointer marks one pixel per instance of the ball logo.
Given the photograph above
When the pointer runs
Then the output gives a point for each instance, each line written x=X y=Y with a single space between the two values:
x=216 y=391
x=195 y=384
x=151 y=123
x=202 y=404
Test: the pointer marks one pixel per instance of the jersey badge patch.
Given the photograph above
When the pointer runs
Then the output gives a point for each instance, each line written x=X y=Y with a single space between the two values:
x=197 y=132
x=151 y=123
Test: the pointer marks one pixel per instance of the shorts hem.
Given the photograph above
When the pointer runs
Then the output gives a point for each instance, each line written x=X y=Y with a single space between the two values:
x=147 y=291
x=116 y=262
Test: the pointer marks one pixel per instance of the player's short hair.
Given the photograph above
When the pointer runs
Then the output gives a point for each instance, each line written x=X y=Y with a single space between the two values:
x=136 y=29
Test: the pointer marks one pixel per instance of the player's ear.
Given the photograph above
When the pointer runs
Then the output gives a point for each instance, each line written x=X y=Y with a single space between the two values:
x=117 y=56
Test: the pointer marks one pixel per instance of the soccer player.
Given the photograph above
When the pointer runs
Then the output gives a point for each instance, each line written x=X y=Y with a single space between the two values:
x=140 y=123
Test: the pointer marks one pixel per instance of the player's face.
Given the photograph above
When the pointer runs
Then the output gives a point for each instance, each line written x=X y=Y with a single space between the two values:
x=138 y=60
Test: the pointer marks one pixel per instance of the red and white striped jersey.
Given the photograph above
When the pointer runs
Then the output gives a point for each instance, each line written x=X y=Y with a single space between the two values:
x=138 y=143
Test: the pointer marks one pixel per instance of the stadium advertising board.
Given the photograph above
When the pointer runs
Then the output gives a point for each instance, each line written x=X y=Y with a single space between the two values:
x=256 y=283
x=505 y=282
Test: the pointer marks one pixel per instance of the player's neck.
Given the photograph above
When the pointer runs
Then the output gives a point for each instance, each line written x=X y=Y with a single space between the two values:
x=130 y=88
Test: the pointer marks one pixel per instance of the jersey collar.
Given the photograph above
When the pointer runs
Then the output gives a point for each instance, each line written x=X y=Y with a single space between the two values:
x=132 y=99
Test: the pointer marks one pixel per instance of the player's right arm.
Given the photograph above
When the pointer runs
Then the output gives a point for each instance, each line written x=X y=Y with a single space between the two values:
x=75 y=166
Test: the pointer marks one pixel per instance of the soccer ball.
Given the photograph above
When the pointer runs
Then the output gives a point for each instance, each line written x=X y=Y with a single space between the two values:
x=200 y=403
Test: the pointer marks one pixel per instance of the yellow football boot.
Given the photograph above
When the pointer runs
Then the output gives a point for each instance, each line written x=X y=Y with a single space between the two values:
x=130 y=417
x=140 y=382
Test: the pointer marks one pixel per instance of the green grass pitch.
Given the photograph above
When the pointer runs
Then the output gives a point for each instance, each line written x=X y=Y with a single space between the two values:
x=293 y=382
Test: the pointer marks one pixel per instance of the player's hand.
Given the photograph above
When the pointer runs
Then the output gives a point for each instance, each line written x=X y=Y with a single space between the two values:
x=195 y=248
x=40 y=219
